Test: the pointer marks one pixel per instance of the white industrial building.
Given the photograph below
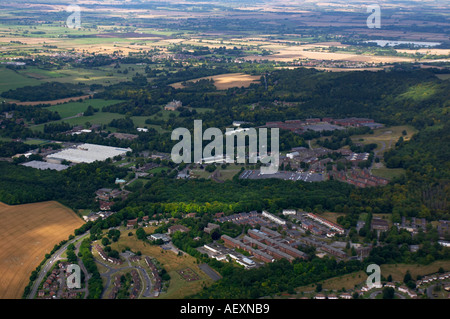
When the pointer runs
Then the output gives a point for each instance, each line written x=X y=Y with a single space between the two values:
x=289 y=212
x=87 y=153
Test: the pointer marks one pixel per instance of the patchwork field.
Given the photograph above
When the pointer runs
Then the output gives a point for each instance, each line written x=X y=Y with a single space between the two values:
x=27 y=233
x=74 y=108
x=288 y=53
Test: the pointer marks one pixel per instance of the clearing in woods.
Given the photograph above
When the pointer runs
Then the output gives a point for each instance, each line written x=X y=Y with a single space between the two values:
x=27 y=233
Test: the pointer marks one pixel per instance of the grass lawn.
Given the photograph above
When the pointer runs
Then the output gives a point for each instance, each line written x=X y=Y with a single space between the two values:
x=35 y=141
x=101 y=118
x=140 y=180
x=158 y=169
x=74 y=108
x=139 y=121
x=332 y=216
x=388 y=173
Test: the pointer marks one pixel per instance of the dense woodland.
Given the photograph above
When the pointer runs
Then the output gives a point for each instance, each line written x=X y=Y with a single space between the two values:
x=44 y=92
x=74 y=187
x=398 y=97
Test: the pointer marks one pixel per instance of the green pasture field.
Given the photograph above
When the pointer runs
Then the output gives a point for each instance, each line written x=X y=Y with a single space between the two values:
x=139 y=121
x=101 y=118
x=10 y=80
x=74 y=108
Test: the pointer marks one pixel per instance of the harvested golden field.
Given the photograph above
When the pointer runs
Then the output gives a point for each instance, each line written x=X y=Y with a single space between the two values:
x=27 y=233
x=226 y=81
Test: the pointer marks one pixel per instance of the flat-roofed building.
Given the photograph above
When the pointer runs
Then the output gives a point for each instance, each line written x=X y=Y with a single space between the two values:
x=88 y=153
x=45 y=165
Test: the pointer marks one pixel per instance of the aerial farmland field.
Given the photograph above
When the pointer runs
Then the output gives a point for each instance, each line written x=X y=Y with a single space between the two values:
x=27 y=233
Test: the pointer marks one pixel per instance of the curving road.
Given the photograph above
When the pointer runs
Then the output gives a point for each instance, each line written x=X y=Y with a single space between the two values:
x=49 y=263
x=146 y=292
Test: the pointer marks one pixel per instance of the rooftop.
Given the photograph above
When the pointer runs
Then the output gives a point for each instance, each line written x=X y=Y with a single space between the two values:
x=44 y=165
x=88 y=153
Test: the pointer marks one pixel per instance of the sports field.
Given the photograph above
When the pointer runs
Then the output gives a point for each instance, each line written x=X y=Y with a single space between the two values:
x=27 y=233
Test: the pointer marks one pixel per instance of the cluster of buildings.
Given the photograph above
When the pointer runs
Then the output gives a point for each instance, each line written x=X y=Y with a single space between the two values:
x=317 y=225
x=105 y=197
x=173 y=106
x=335 y=228
x=79 y=129
x=105 y=257
x=443 y=229
x=266 y=245
x=322 y=124
x=344 y=295
x=210 y=228
x=252 y=218
x=175 y=228
x=360 y=178
x=109 y=194
x=431 y=278
x=323 y=246
x=273 y=218
x=115 y=290
x=155 y=274
x=221 y=253
x=53 y=287
x=136 y=285
x=396 y=286
x=414 y=225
